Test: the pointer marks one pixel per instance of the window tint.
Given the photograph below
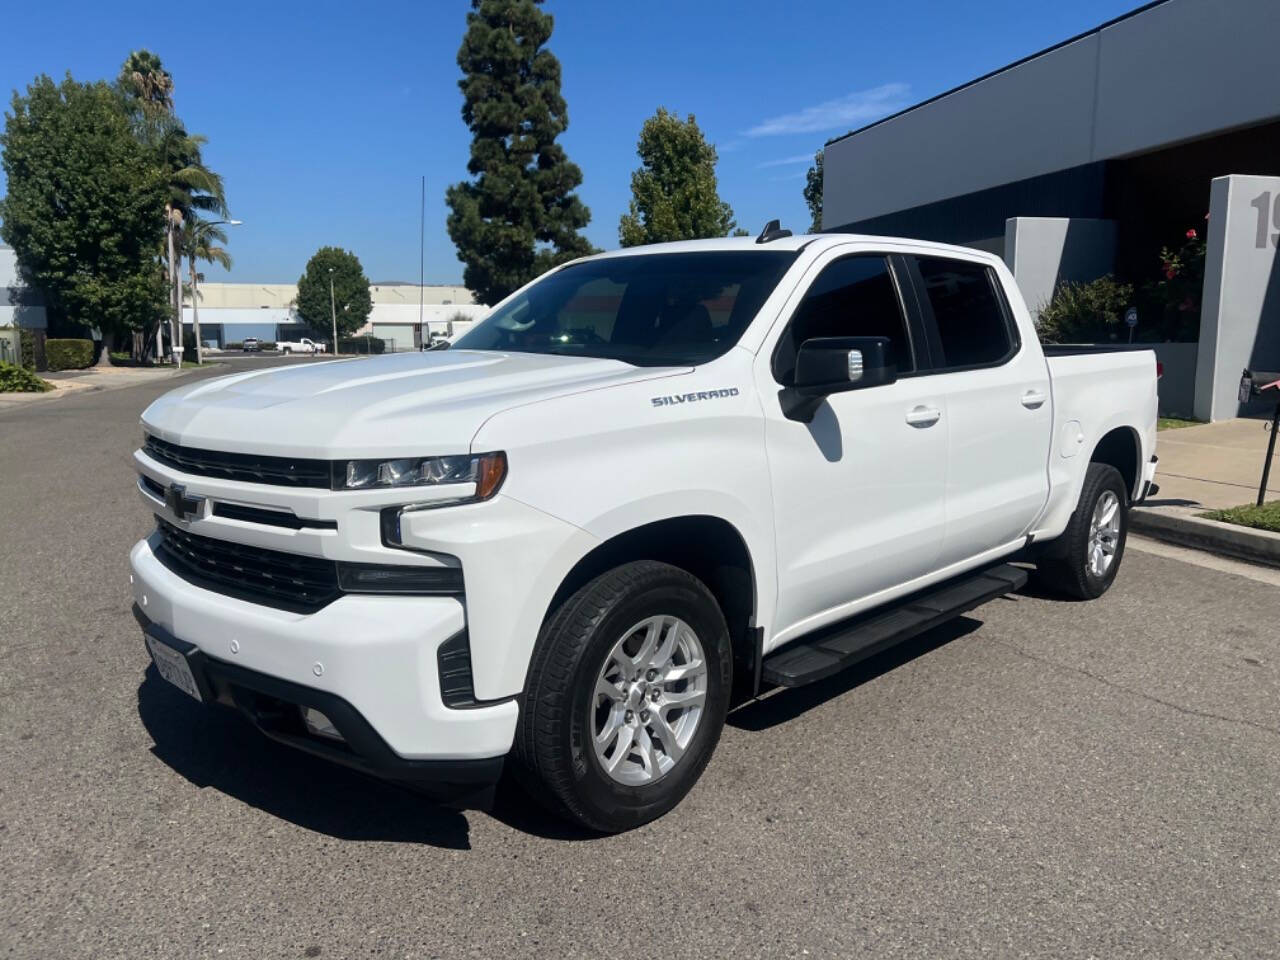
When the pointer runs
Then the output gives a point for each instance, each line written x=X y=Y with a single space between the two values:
x=647 y=309
x=853 y=297
x=971 y=322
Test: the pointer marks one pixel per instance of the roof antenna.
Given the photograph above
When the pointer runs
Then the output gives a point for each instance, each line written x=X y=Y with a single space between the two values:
x=772 y=231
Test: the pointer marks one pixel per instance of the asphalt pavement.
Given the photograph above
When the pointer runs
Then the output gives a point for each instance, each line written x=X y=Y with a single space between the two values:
x=1039 y=778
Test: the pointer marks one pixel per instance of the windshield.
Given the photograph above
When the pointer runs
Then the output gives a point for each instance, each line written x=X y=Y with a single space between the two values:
x=657 y=309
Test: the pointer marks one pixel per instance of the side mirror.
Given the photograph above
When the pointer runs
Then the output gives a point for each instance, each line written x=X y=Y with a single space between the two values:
x=826 y=365
x=834 y=364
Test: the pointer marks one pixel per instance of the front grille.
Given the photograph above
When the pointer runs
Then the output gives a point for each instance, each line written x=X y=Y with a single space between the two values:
x=271 y=577
x=249 y=468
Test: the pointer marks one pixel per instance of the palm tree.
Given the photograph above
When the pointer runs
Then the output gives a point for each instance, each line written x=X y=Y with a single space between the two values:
x=191 y=188
x=200 y=241
x=143 y=76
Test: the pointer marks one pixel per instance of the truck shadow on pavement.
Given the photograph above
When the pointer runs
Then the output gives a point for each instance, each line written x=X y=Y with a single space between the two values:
x=213 y=747
x=780 y=705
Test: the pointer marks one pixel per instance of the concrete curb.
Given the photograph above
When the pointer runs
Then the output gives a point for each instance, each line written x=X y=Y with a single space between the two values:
x=1181 y=525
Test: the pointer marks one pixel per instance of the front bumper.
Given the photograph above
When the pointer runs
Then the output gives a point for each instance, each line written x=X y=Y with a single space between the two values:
x=274 y=707
x=376 y=654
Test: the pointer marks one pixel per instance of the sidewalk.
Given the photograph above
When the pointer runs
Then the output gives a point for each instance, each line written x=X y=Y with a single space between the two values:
x=68 y=382
x=1211 y=467
x=1214 y=465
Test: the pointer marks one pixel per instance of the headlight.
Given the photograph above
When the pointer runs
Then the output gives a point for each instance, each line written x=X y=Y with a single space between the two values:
x=485 y=470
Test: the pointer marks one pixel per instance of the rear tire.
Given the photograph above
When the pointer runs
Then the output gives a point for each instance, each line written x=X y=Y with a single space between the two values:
x=1083 y=562
x=626 y=697
x=286 y=350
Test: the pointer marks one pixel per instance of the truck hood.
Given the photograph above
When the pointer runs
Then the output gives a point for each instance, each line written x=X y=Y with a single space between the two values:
x=409 y=404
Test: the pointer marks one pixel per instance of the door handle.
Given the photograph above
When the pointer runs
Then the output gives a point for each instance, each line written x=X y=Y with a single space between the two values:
x=923 y=416
x=1034 y=399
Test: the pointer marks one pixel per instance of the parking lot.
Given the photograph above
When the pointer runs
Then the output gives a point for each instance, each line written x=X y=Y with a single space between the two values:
x=1038 y=778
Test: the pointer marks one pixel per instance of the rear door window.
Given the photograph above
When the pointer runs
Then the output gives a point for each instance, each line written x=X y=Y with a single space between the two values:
x=969 y=313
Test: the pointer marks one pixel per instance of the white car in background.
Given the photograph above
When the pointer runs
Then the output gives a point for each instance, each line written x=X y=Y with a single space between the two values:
x=305 y=345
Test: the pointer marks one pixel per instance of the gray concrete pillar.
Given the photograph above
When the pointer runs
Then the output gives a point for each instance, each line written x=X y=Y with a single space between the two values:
x=1043 y=252
x=1240 y=317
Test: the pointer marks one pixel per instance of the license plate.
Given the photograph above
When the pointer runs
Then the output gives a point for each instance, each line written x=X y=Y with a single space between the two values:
x=173 y=666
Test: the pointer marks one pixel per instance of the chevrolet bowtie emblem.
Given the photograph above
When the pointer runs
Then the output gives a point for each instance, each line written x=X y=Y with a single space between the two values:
x=183 y=506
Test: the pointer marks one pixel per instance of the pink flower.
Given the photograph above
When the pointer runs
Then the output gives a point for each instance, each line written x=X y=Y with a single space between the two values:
x=1170 y=273
x=1191 y=234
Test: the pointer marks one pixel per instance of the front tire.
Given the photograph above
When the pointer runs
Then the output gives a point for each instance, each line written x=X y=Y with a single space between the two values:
x=626 y=697
x=1083 y=562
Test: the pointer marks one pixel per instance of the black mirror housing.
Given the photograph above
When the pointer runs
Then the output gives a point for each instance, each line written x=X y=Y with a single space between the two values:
x=827 y=365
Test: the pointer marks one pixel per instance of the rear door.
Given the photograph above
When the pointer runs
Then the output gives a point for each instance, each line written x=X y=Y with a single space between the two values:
x=858 y=492
x=998 y=405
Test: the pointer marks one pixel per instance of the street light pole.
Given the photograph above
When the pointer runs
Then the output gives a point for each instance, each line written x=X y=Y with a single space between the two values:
x=333 y=312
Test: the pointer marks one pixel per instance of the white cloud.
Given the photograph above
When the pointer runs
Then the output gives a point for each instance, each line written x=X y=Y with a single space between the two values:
x=852 y=110
x=787 y=161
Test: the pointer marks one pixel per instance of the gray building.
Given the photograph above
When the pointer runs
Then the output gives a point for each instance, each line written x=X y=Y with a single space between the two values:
x=1088 y=158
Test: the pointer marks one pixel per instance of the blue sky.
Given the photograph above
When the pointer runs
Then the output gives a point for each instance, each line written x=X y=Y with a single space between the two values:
x=322 y=116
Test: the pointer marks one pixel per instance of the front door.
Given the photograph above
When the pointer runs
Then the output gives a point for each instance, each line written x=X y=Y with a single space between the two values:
x=858 y=492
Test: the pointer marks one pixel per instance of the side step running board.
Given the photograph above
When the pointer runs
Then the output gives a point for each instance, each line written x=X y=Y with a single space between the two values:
x=832 y=649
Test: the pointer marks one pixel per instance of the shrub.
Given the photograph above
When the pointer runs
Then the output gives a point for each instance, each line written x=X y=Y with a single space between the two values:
x=362 y=345
x=266 y=344
x=14 y=379
x=28 y=341
x=1090 y=312
x=234 y=345
x=68 y=354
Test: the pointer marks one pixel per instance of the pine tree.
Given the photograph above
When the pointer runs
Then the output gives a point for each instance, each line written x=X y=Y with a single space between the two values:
x=519 y=215
x=674 y=194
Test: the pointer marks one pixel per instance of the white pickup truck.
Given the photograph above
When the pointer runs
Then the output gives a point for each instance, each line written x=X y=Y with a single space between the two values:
x=651 y=483
x=305 y=345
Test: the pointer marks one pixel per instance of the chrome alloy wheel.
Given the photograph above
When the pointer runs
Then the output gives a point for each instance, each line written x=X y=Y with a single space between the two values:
x=648 y=700
x=1104 y=533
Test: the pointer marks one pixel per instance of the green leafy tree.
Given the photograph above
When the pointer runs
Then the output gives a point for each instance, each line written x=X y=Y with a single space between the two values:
x=813 y=192
x=84 y=204
x=519 y=216
x=351 y=302
x=674 y=194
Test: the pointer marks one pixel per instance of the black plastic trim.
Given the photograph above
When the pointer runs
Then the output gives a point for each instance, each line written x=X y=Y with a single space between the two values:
x=271 y=518
x=243 y=467
x=275 y=578
x=271 y=705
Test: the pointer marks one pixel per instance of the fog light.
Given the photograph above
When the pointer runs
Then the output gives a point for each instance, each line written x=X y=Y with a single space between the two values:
x=318 y=724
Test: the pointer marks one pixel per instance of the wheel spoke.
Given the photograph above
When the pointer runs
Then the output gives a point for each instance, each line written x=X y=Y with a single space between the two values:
x=626 y=739
x=668 y=645
x=686 y=671
x=605 y=688
x=1110 y=506
x=648 y=757
x=667 y=737
x=685 y=698
x=611 y=725
x=649 y=645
